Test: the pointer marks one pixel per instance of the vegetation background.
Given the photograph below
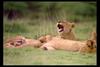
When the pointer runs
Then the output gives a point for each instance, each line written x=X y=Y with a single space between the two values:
x=34 y=19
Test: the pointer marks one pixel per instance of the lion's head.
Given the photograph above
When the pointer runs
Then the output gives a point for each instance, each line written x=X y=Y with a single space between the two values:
x=65 y=26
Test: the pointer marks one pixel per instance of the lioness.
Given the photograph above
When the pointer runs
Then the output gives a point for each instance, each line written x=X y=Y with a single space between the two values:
x=15 y=41
x=69 y=45
x=20 y=41
x=65 y=30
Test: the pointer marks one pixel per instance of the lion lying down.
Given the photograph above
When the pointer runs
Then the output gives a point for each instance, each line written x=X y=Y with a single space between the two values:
x=20 y=41
x=69 y=45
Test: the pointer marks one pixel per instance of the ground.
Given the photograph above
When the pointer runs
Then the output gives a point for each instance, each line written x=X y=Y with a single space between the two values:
x=32 y=56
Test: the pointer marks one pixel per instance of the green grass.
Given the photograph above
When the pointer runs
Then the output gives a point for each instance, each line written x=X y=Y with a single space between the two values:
x=34 y=56
x=83 y=30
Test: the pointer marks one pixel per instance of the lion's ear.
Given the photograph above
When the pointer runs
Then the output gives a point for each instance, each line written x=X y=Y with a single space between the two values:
x=73 y=25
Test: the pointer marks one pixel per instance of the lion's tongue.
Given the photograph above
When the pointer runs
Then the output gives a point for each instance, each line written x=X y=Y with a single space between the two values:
x=60 y=30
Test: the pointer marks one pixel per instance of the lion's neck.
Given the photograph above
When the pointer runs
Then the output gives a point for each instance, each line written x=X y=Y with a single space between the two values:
x=67 y=35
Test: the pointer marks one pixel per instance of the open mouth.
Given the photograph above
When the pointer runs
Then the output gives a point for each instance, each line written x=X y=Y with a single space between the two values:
x=60 y=27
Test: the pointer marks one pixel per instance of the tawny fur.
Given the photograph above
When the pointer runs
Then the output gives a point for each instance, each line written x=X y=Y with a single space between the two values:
x=13 y=41
x=69 y=45
x=44 y=39
x=33 y=42
x=94 y=37
x=89 y=47
x=65 y=30
x=20 y=41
